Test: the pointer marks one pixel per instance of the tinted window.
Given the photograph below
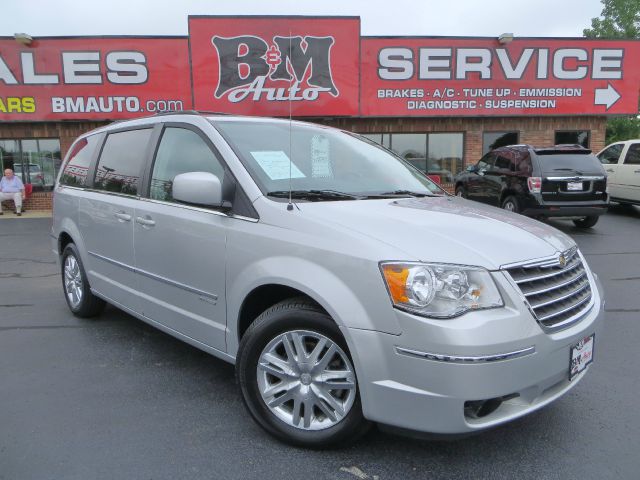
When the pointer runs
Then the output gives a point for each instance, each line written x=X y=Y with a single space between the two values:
x=573 y=137
x=611 y=154
x=77 y=166
x=633 y=154
x=493 y=140
x=504 y=162
x=523 y=163
x=181 y=151
x=570 y=164
x=121 y=160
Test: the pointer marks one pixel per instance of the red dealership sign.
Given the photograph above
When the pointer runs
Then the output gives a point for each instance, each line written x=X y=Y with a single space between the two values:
x=93 y=78
x=454 y=77
x=265 y=66
x=315 y=66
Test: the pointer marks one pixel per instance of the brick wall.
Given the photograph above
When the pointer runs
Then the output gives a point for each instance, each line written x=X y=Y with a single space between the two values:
x=539 y=131
x=36 y=201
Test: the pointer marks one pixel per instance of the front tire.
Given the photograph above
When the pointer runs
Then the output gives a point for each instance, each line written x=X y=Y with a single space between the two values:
x=586 y=222
x=297 y=378
x=77 y=292
x=461 y=191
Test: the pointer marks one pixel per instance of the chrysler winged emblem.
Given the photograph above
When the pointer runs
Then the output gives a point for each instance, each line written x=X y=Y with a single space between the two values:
x=562 y=260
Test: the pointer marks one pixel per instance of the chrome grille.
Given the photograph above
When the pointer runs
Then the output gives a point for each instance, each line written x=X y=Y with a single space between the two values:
x=556 y=289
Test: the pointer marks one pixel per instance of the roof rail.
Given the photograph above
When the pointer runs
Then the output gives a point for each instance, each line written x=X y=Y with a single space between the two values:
x=189 y=112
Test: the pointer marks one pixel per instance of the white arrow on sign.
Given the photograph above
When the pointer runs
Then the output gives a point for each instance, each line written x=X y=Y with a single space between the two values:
x=606 y=96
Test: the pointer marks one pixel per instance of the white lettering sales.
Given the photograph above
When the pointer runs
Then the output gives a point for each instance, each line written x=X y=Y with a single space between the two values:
x=400 y=63
x=79 y=68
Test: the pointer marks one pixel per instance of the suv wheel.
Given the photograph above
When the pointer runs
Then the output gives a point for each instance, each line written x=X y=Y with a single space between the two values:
x=77 y=293
x=586 y=222
x=461 y=192
x=511 y=204
x=297 y=377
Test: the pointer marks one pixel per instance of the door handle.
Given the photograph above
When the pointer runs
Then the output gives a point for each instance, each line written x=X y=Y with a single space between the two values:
x=636 y=171
x=123 y=217
x=610 y=170
x=145 y=221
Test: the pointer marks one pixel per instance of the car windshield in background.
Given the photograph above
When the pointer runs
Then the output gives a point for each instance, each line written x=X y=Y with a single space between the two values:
x=320 y=163
x=570 y=163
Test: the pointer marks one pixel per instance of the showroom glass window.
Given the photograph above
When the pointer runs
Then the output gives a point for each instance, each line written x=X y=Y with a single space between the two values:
x=492 y=140
x=121 y=160
x=573 y=137
x=436 y=154
x=34 y=161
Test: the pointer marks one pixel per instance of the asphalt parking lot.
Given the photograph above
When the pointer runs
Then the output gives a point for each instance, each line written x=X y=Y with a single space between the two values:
x=114 y=398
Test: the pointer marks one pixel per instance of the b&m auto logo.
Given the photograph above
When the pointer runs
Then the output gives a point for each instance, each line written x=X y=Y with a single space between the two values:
x=285 y=69
x=267 y=66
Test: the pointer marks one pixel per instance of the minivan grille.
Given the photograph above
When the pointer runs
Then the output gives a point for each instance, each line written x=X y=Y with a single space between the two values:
x=557 y=290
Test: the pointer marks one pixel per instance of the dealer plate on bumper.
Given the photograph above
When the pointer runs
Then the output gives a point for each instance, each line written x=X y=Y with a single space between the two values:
x=581 y=355
x=574 y=186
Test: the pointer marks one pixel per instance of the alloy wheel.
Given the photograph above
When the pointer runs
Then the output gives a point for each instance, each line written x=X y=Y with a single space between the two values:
x=306 y=380
x=73 y=286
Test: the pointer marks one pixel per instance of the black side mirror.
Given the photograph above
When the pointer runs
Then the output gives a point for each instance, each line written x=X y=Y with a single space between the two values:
x=472 y=168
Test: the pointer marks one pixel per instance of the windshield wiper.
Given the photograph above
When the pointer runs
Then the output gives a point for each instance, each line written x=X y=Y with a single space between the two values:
x=407 y=192
x=314 y=194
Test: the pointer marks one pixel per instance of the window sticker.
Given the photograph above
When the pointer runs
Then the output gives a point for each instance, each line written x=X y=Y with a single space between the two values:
x=277 y=165
x=320 y=161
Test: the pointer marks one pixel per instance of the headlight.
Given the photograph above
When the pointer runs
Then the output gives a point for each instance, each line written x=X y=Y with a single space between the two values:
x=439 y=290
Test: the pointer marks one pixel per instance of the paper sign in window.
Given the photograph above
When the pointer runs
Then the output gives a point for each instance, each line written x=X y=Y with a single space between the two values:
x=320 y=161
x=276 y=164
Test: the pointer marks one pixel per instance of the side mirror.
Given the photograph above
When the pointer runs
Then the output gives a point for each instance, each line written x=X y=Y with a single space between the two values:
x=198 y=188
x=472 y=168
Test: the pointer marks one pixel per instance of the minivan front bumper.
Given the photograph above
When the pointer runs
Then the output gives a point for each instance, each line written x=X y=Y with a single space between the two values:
x=439 y=374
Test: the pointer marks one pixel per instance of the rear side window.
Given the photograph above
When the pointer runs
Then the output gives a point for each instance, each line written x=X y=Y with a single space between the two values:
x=181 y=151
x=504 y=162
x=77 y=166
x=121 y=160
x=633 y=155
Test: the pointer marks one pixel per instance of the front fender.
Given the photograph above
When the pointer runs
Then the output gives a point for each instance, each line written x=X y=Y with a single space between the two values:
x=335 y=295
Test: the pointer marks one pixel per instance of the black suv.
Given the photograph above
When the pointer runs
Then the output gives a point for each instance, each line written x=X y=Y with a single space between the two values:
x=559 y=181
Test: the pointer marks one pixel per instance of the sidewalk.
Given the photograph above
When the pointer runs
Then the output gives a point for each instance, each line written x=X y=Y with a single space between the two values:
x=28 y=214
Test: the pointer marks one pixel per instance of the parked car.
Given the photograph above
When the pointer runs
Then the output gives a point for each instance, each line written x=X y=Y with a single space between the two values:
x=36 y=177
x=345 y=286
x=621 y=161
x=559 y=181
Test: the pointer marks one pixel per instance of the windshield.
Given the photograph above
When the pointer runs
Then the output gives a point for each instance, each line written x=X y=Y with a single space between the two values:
x=323 y=160
x=568 y=163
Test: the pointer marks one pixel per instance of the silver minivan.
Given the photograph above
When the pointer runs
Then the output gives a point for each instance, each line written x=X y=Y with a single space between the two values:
x=347 y=288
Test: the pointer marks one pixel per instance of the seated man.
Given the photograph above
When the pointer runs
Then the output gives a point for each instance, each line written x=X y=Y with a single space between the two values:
x=11 y=188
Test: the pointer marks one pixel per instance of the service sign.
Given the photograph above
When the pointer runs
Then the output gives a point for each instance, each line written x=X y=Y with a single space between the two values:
x=274 y=65
x=93 y=78
x=480 y=77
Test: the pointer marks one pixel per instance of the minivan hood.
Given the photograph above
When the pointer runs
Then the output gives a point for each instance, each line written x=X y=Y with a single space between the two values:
x=444 y=229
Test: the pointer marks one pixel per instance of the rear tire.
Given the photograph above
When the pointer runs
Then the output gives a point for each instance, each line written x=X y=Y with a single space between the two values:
x=461 y=192
x=586 y=222
x=277 y=359
x=77 y=291
x=511 y=204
